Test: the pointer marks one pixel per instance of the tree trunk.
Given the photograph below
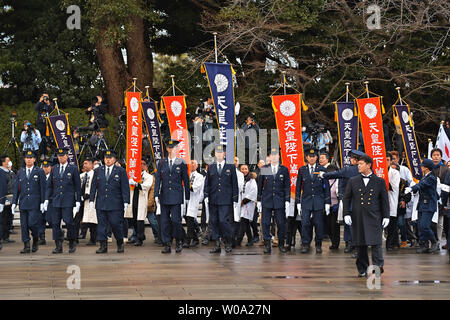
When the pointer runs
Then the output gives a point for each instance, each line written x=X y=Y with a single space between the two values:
x=139 y=54
x=115 y=75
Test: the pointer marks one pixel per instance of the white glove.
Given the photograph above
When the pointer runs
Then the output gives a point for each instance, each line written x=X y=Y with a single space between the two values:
x=77 y=206
x=91 y=206
x=407 y=190
x=132 y=182
x=327 y=209
x=348 y=220
x=42 y=207
x=125 y=206
x=1 y=208
x=13 y=208
x=287 y=204
x=299 y=208
x=206 y=201
x=321 y=173
x=385 y=222
x=45 y=205
x=157 y=200
x=259 y=206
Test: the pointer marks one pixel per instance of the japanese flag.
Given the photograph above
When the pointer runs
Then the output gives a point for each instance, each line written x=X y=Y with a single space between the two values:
x=443 y=143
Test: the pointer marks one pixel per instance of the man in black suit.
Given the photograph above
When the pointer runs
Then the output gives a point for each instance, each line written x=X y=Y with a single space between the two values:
x=367 y=196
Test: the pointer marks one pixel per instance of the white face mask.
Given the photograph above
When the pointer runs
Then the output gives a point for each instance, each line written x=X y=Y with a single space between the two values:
x=10 y=164
x=96 y=166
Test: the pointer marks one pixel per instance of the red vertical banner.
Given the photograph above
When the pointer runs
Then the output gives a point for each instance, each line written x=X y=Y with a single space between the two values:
x=176 y=116
x=287 y=110
x=372 y=130
x=134 y=135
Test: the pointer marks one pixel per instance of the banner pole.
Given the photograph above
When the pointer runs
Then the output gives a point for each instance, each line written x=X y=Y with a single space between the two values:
x=284 y=81
x=134 y=84
x=56 y=105
x=215 y=44
x=173 y=83
x=367 y=88
x=399 y=96
x=146 y=92
x=346 y=91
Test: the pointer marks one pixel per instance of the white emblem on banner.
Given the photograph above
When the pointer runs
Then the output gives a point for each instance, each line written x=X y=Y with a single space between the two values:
x=150 y=114
x=405 y=117
x=287 y=108
x=60 y=125
x=370 y=110
x=134 y=104
x=221 y=82
x=176 y=108
x=347 y=114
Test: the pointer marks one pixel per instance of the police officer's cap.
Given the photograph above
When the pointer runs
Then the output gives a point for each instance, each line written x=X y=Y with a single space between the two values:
x=110 y=153
x=61 y=151
x=356 y=154
x=172 y=143
x=46 y=163
x=427 y=163
x=274 y=151
x=312 y=152
x=30 y=154
x=220 y=148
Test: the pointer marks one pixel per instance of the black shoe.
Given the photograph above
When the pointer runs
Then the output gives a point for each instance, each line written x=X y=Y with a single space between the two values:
x=389 y=249
x=217 y=248
x=72 y=246
x=434 y=247
x=179 y=247
x=228 y=246
x=205 y=241
x=249 y=244
x=35 y=245
x=334 y=247
x=362 y=274
x=166 y=249
x=195 y=242
x=91 y=242
x=103 y=247
x=138 y=243
x=347 y=247
x=8 y=241
x=42 y=242
x=82 y=236
x=354 y=255
x=318 y=248
x=159 y=243
x=58 y=248
x=305 y=248
x=281 y=247
x=133 y=241
x=186 y=244
x=422 y=249
x=256 y=239
x=120 y=246
x=267 y=247
x=26 y=247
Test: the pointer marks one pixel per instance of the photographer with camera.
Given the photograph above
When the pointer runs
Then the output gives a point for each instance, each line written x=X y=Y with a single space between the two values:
x=96 y=113
x=317 y=137
x=250 y=124
x=43 y=108
x=30 y=137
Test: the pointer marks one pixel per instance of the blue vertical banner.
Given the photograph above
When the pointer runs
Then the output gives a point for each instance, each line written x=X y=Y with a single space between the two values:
x=61 y=132
x=348 y=129
x=154 y=133
x=220 y=79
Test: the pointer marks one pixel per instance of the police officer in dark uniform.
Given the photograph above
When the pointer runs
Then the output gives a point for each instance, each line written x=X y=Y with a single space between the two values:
x=344 y=175
x=46 y=217
x=29 y=192
x=110 y=184
x=64 y=187
x=220 y=191
x=426 y=207
x=274 y=188
x=171 y=178
x=312 y=195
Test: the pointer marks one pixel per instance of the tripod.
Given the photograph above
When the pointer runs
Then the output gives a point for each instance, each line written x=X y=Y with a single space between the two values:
x=121 y=138
x=99 y=149
x=13 y=142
